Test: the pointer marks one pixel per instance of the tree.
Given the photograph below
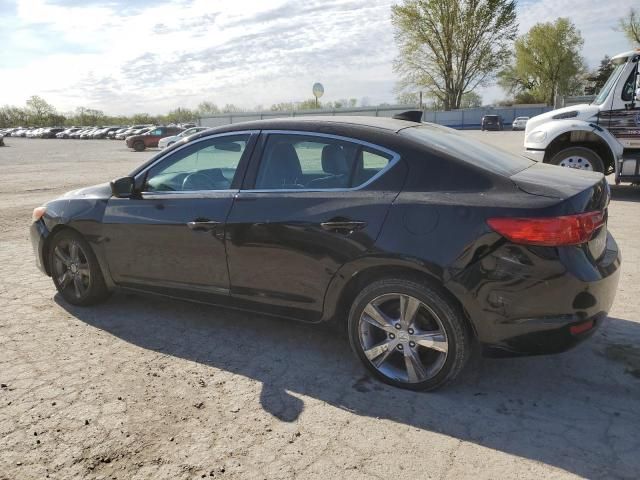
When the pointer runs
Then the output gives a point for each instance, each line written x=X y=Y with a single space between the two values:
x=450 y=47
x=600 y=76
x=207 y=108
x=39 y=110
x=471 y=100
x=631 y=26
x=180 y=115
x=547 y=62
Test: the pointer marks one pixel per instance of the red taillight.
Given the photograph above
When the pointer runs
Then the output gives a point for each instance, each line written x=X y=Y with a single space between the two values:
x=581 y=327
x=549 y=231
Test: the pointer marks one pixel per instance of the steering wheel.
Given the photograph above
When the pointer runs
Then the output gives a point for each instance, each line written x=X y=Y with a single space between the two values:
x=196 y=181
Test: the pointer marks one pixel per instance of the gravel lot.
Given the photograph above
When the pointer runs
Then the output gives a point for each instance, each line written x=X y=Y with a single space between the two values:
x=142 y=387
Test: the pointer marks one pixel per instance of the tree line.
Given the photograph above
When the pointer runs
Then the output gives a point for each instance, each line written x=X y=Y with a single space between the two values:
x=448 y=48
x=37 y=112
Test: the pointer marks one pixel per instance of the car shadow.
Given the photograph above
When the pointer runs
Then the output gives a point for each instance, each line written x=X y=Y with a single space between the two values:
x=577 y=411
x=625 y=193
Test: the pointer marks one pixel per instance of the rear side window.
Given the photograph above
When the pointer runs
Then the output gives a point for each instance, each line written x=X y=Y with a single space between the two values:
x=449 y=142
x=317 y=163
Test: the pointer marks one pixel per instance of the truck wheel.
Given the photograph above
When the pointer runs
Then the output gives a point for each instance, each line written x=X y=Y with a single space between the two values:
x=138 y=146
x=581 y=158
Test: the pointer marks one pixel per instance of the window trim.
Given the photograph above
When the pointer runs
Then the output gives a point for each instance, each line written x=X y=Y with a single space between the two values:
x=264 y=136
x=141 y=176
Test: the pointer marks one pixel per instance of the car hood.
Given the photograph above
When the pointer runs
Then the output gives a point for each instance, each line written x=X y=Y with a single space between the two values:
x=101 y=191
x=584 y=112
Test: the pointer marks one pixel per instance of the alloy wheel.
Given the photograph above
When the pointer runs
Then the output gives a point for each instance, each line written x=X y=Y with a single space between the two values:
x=403 y=338
x=71 y=268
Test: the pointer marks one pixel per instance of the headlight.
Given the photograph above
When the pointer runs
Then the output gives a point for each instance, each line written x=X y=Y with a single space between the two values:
x=536 y=136
x=38 y=213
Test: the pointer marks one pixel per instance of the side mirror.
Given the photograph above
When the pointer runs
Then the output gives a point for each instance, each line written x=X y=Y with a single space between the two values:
x=122 y=187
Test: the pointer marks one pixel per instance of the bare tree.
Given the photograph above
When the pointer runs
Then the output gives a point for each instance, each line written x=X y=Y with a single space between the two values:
x=631 y=26
x=450 y=47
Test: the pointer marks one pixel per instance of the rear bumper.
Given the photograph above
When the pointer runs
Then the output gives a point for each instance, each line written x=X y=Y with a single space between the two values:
x=525 y=300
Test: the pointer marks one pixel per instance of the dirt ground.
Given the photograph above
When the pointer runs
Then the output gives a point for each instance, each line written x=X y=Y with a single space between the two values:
x=142 y=387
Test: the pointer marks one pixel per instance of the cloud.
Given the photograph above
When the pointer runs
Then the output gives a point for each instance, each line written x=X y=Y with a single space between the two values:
x=138 y=55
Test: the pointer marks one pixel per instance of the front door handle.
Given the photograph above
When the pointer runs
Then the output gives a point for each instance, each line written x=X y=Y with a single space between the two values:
x=343 y=226
x=203 y=225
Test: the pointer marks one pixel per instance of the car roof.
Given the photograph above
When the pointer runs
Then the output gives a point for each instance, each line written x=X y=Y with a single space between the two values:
x=312 y=122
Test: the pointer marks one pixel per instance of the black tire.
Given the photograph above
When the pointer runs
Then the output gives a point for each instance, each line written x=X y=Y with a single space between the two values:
x=450 y=317
x=138 y=146
x=93 y=289
x=576 y=155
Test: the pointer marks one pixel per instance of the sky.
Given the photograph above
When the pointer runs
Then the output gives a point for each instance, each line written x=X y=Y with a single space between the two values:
x=131 y=56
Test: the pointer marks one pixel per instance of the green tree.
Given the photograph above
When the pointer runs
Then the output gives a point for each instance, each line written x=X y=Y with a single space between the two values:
x=39 y=110
x=599 y=76
x=630 y=25
x=547 y=62
x=207 y=108
x=450 y=47
x=471 y=100
x=180 y=115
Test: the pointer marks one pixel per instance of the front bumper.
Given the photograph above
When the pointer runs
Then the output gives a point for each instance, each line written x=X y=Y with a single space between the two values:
x=525 y=300
x=39 y=233
x=534 y=154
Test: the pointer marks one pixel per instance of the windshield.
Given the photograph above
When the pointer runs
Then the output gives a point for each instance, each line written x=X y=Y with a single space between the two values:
x=604 y=93
x=450 y=142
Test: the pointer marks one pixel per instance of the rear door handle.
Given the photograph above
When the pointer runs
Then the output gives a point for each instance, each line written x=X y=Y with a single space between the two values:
x=343 y=226
x=203 y=225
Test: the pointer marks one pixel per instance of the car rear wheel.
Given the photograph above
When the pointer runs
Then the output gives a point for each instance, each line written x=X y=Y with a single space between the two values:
x=408 y=334
x=75 y=269
x=581 y=158
x=138 y=146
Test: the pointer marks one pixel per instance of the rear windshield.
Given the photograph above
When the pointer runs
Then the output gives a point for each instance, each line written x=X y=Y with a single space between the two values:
x=474 y=152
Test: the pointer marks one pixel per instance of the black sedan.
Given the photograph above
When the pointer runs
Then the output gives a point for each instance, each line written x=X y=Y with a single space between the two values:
x=416 y=239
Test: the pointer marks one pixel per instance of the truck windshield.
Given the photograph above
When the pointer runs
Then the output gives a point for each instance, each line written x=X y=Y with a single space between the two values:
x=604 y=93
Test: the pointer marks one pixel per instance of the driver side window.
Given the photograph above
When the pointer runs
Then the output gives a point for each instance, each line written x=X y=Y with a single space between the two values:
x=206 y=165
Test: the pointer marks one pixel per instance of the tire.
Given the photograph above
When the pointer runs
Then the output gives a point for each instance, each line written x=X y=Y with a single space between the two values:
x=77 y=276
x=138 y=146
x=582 y=157
x=392 y=348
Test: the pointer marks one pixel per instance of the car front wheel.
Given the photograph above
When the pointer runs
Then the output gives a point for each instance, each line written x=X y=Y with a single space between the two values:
x=75 y=269
x=409 y=334
x=138 y=146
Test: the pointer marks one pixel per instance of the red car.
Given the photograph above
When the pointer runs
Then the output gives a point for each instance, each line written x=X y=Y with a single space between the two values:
x=151 y=138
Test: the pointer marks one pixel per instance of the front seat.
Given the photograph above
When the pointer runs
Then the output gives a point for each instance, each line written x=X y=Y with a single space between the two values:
x=334 y=162
x=282 y=169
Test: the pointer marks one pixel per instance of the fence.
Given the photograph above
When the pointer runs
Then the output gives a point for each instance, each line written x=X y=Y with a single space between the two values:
x=567 y=101
x=462 y=119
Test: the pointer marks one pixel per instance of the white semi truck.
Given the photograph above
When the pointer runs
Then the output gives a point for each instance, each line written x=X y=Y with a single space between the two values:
x=603 y=136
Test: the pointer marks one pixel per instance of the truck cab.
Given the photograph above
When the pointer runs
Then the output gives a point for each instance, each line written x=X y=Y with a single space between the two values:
x=603 y=136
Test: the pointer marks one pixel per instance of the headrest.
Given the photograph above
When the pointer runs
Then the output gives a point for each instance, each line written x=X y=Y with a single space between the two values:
x=334 y=160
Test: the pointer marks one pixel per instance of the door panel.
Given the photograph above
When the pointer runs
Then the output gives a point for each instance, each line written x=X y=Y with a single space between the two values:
x=150 y=242
x=171 y=236
x=284 y=248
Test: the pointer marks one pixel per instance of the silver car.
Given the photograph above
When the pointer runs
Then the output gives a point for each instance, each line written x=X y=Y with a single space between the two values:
x=168 y=141
x=520 y=123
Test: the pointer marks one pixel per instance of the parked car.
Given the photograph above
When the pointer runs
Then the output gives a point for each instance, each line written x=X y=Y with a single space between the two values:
x=151 y=138
x=134 y=130
x=67 y=133
x=520 y=123
x=51 y=132
x=492 y=122
x=342 y=219
x=168 y=141
x=113 y=133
